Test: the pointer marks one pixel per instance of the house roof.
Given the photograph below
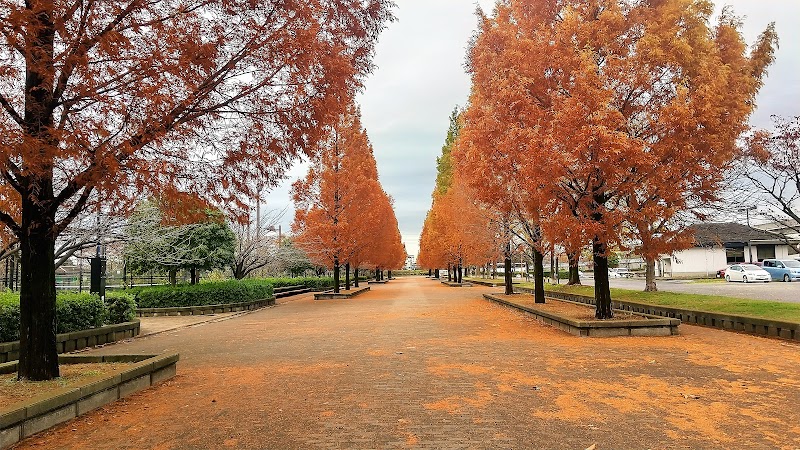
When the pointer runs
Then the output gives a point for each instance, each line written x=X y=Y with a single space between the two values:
x=706 y=234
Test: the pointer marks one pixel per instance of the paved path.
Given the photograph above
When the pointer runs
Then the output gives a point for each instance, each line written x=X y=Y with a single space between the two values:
x=414 y=364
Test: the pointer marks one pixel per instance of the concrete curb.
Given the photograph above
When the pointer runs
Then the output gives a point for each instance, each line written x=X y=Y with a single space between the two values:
x=78 y=340
x=24 y=419
x=329 y=295
x=204 y=309
x=650 y=326
x=746 y=324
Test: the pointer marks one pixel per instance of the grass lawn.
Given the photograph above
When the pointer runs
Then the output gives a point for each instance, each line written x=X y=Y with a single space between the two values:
x=713 y=303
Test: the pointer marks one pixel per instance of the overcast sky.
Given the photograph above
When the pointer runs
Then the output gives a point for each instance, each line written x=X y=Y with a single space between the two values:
x=420 y=78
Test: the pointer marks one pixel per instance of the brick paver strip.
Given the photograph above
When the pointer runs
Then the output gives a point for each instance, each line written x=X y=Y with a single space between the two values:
x=414 y=364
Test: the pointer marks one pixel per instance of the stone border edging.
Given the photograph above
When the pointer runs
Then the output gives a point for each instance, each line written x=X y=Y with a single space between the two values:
x=456 y=284
x=652 y=326
x=746 y=324
x=205 y=309
x=77 y=340
x=40 y=413
x=329 y=295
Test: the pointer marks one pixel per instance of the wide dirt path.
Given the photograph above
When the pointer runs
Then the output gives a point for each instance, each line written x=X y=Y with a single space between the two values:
x=414 y=364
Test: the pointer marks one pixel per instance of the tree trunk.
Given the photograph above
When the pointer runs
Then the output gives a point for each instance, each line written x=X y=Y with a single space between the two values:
x=602 y=289
x=335 y=275
x=355 y=276
x=574 y=277
x=193 y=275
x=436 y=273
x=507 y=272
x=429 y=272
x=38 y=358
x=460 y=273
x=389 y=274
x=347 y=276
x=173 y=277
x=650 y=275
x=538 y=273
x=449 y=276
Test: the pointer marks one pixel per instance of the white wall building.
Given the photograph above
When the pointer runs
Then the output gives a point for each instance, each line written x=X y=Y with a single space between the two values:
x=720 y=244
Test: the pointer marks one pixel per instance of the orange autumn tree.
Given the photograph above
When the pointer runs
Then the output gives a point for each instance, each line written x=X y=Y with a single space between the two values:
x=110 y=101
x=341 y=210
x=457 y=230
x=625 y=103
x=386 y=251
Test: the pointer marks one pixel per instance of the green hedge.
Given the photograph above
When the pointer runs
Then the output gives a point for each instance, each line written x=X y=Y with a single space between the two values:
x=219 y=293
x=9 y=317
x=74 y=312
x=317 y=283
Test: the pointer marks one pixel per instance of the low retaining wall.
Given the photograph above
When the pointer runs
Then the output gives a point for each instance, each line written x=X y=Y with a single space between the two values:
x=745 y=324
x=203 y=310
x=77 y=340
x=329 y=295
x=24 y=419
x=455 y=284
x=646 y=326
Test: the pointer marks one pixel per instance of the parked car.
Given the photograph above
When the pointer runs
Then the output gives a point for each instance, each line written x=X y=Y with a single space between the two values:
x=624 y=272
x=782 y=269
x=613 y=274
x=746 y=273
x=721 y=272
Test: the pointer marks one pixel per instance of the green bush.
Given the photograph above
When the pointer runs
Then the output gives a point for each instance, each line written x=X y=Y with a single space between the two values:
x=74 y=312
x=9 y=317
x=316 y=283
x=121 y=307
x=224 y=292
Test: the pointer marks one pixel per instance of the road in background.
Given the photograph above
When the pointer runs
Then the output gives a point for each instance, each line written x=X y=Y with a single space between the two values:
x=776 y=290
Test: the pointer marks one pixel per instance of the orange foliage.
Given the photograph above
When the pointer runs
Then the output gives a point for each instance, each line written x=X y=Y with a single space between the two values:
x=342 y=213
x=113 y=101
x=457 y=230
x=600 y=114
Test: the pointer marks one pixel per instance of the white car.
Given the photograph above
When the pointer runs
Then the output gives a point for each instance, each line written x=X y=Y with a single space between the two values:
x=624 y=272
x=613 y=274
x=746 y=273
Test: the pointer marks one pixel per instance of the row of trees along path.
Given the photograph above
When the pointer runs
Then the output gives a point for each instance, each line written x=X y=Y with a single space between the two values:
x=458 y=230
x=343 y=217
x=110 y=102
x=604 y=122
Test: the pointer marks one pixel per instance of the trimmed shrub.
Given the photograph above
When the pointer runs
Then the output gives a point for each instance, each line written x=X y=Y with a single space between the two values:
x=315 y=283
x=121 y=307
x=76 y=312
x=220 y=293
x=9 y=317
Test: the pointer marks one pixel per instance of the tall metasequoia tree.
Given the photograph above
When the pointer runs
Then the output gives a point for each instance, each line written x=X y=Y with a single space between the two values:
x=340 y=205
x=610 y=96
x=456 y=230
x=135 y=96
